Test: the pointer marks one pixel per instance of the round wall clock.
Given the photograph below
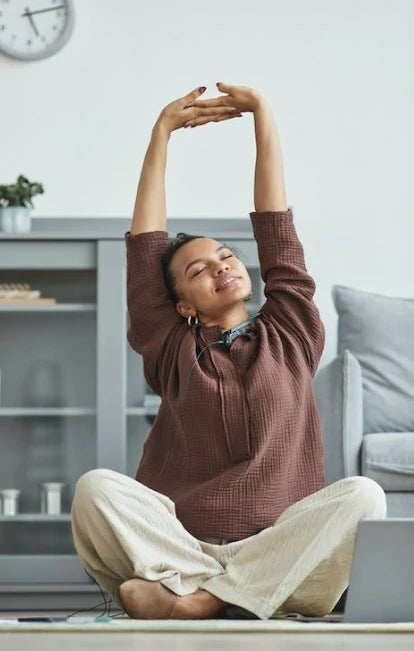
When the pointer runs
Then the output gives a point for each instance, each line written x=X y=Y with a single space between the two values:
x=35 y=29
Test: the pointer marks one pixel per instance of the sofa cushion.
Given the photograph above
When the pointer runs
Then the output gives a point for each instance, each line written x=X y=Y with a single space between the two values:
x=389 y=460
x=379 y=331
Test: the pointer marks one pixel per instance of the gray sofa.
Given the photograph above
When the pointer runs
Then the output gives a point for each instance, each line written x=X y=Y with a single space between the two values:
x=365 y=395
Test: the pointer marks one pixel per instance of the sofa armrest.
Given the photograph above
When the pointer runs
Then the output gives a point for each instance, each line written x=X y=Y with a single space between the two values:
x=339 y=396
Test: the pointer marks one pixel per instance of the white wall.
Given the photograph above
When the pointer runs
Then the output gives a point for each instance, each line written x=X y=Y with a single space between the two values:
x=339 y=76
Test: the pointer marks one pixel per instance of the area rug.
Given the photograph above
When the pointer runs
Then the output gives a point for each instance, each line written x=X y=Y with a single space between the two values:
x=125 y=625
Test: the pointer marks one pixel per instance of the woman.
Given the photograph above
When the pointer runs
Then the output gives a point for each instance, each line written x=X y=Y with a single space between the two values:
x=228 y=505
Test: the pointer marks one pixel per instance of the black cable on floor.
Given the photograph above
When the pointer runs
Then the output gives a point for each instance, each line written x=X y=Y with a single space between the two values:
x=105 y=603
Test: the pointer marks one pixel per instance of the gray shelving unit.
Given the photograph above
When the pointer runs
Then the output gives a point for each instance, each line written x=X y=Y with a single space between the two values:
x=102 y=408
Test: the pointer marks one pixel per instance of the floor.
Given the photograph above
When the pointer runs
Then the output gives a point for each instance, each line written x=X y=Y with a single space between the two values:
x=201 y=641
x=204 y=642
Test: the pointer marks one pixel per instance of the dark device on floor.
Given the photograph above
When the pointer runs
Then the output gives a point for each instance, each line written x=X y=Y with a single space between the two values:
x=382 y=574
x=42 y=619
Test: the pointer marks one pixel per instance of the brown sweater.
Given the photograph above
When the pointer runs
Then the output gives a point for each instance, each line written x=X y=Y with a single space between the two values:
x=237 y=437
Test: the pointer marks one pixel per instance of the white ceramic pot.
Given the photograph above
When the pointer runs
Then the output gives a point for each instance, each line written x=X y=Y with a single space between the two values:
x=10 y=499
x=51 y=497
x=15 y=219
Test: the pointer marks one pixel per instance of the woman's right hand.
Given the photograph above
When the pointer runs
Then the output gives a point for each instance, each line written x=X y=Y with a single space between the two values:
x=183 y=110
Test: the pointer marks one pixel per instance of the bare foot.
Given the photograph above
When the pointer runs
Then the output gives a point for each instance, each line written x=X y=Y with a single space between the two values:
x=198 y=605
x=144 y=599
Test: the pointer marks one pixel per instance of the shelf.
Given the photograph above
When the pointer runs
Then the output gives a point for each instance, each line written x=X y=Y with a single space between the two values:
x=7 y=588
x=143 y=411
x=57 y=307
x=149 y=408
x=35 y=517
x=43 y=568
x=47 y=411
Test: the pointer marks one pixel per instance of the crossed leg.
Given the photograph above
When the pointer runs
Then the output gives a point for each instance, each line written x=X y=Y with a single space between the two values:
x=302 y=563
x=130 y=540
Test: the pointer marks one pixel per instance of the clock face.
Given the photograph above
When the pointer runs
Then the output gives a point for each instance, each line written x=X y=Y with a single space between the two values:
x=34 y=29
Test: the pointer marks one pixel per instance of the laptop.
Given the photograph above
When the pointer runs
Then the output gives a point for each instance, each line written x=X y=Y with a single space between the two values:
x=381 y=585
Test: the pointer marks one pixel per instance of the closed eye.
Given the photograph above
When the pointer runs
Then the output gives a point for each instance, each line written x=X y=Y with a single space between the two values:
x=200 y=270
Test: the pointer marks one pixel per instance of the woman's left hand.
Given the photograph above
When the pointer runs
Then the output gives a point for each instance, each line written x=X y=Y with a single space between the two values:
x=240 y=98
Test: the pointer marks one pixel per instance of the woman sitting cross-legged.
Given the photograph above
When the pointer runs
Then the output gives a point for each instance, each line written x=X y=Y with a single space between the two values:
x=229 y=504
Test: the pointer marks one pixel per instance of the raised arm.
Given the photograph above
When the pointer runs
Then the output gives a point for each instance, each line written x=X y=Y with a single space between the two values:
x=150 y=204
x=150 y=212
x=269 y=183
x=153 y=317
x=289 y=288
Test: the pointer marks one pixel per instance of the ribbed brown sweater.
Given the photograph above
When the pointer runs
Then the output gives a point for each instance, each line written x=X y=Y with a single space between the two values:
x=237 y=437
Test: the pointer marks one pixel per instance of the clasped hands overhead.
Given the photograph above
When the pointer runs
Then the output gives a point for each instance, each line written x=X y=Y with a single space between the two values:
x=189 y=111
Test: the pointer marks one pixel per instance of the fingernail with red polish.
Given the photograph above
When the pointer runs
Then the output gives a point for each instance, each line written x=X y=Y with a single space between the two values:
x=202 y=89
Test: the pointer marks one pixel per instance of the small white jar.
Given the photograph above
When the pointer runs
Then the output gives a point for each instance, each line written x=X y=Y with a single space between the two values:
x=51 y=497
x=10 y=501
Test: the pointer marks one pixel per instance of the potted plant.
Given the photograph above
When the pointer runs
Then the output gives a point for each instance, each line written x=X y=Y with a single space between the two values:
x=16 y=204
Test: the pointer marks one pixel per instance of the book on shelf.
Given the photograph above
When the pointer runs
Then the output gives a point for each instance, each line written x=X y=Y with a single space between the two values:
x=25 y=301
x=21 y=293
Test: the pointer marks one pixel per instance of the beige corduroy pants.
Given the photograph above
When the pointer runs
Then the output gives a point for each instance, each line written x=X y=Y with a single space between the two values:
x=123 y=529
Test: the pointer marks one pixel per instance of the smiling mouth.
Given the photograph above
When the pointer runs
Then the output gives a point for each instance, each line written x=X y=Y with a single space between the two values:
x=228 y=283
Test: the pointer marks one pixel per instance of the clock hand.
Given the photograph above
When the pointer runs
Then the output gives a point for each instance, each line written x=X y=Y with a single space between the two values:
x=29 y=15
x=41 y=11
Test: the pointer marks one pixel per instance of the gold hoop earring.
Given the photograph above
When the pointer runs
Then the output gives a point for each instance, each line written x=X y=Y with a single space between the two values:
x=189 y=321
